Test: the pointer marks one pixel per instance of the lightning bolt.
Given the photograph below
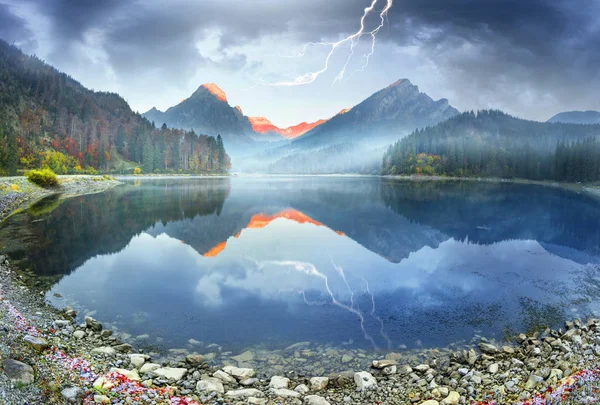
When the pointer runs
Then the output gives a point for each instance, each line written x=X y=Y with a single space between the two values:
x=374 y=315
x=311 y=270
x=351 y=41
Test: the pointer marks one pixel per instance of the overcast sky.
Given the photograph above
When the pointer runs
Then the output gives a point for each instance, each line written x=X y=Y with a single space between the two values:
x=531 y=58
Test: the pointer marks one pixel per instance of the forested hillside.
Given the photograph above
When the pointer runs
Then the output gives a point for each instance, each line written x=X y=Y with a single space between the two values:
x=49 y=119
x=494 y=144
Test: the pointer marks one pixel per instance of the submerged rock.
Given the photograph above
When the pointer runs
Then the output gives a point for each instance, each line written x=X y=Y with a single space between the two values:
x=93 y=324
x=244 y=357
x=488 y=348
x=195 y=359
x=381 y=364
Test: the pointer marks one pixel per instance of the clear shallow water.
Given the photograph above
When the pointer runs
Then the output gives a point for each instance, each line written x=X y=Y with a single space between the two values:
x=344 y=262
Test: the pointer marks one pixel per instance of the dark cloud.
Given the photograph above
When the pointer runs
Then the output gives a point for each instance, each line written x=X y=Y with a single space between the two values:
x=514 y=51
x=513 y=54
x=13 y=29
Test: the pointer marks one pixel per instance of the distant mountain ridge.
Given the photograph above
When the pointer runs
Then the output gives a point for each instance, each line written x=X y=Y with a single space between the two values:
x=263 y=125
x=354 y=140
x=397 y=109
x=577 y=117
x=207 y=111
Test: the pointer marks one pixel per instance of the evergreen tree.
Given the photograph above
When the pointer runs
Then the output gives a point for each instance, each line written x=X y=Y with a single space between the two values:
x=12 y=152
x=221 y=153
x=148 y=155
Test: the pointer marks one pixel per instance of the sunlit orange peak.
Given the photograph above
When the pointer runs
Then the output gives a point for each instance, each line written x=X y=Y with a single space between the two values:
x=344 y=111
x=216 y=250
x=215 y=91
x=262 y=220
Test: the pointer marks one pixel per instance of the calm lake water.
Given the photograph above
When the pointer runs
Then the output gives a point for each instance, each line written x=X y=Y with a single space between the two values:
x=347 y=262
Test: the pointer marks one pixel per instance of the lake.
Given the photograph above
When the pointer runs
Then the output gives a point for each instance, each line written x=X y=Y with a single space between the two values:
x=356 y=264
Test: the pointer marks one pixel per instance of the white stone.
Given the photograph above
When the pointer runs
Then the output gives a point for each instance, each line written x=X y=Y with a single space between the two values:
x=430 y=402
x=175 y=374
x=453 y=398
x=132 y=375
x=315 y=400
x=318 y=383
x=223 y=376
x=389 y=370
x=256 y=401
x=101 y=399
x=239 y=373
x=248 y=381
x=421 y=368
x=285 y=393
x=244 y=393
x=279 y=382
x=149 y=367
x=302 y=389
x=79 y=334
x=380 y=364
x=106 y=350
x=72 y=394
x=493 y=368
x=137 y=360
x=210 y=384
x=364 y=381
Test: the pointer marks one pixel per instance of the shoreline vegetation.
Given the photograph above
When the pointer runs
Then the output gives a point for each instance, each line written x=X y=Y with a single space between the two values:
x=17 y=193
x=49 y=358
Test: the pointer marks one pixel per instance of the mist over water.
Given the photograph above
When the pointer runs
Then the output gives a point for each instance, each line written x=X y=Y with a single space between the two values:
x=354 y=262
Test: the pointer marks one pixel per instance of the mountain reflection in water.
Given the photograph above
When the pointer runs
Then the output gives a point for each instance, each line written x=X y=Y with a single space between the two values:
x=273 y=261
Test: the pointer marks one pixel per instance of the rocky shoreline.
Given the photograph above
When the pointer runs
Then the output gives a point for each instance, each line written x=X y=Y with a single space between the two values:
x=16 y=192
x=47 y=358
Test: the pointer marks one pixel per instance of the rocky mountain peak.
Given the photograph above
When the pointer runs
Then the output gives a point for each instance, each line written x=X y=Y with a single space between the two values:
x=213 y=89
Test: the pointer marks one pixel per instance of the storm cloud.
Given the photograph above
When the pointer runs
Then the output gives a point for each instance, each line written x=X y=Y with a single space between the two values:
x=531 y=58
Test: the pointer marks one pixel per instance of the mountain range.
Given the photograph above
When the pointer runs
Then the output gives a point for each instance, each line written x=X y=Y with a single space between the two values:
x=51 y=119
x=382 y=118
x=355 y=141
x=577 y=117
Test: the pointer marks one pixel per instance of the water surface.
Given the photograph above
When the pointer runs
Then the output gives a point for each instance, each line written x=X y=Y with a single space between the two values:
x=363 y=263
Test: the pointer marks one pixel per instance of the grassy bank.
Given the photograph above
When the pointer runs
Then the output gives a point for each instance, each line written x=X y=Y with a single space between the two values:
x=16 y=192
